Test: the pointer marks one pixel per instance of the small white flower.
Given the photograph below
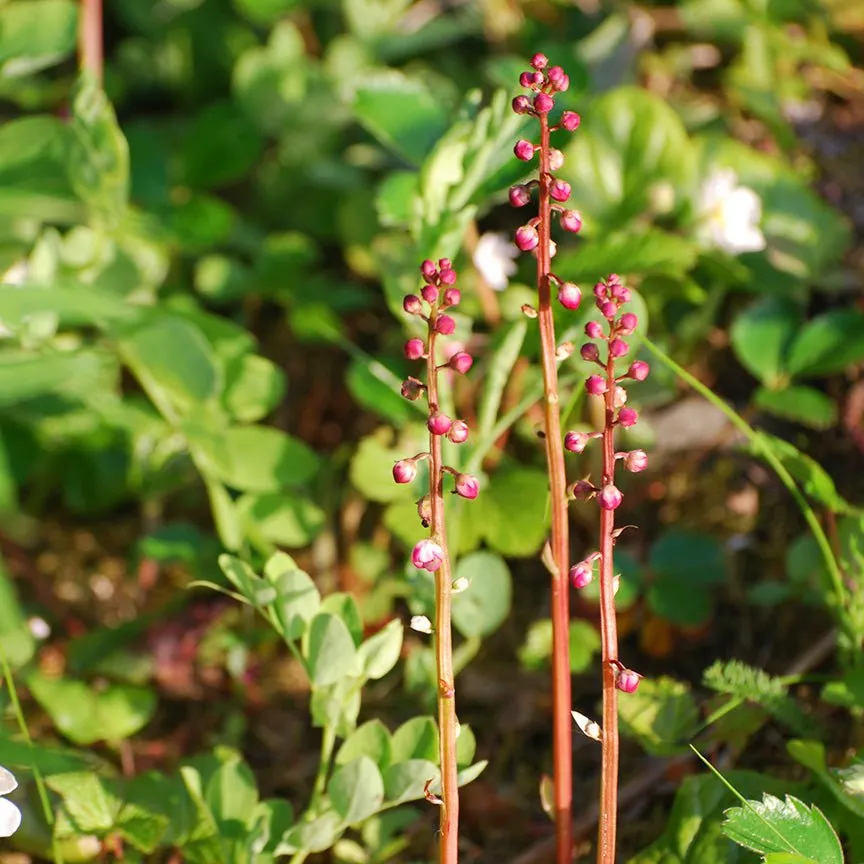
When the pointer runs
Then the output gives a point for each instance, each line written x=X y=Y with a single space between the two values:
x=421 y=624
x=728 y=215
x=493 y=258
x=10 y=815
x=39 y=627
x=459 y=585
x=587 y=726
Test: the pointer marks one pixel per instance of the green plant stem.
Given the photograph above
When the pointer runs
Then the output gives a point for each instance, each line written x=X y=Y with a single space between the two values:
x=90 y=58
x=562 y=740
x=608 y=820
x=448 y=846
x=328 y=742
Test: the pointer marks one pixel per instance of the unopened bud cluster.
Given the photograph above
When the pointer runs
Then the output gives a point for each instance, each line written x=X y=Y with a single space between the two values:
x=437 y=295
x=545 y=81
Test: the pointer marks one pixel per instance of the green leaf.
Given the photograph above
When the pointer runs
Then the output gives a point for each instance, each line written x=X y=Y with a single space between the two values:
x=484 y=605
x=337 y=706
x=24 y=377
x=297 y=598
x=292 y=522
x=16 y=640
x=828 y=344
x=231 y=793
x=471 y=773
x=773 y=825
x=840 y=783
x=848 y=692
x=49 y=760
x=371 y=469
x=406 y=781
x=379 y=653
x=761 y=336
x=687 y=608
x=89 y=800
x=416 y=739
x=86 y=715
x=36 y=34
x=259 y=592
x=315 y=836
x=634 y=140
x=662 y=715
x=584 y=645
x=330 y=651
x=401 y=112
x=372 y=739
x=143 y=819
x=356 y=790
x=345 y=607
x=172 y=358
x=513 y=511
x=74 y=305
x=253 y=387
x=800 y=404
x=376 y=387
x=508 y=344
x=689 y=558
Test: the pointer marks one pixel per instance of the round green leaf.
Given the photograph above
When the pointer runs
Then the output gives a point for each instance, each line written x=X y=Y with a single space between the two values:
x=372 y=739
x=253 y=387
x=688 y=557
x=828 y=344
x=407 y=781
x=688 y=607
x=800 y=404
x=483 y=606
x=416 y=739
x=761 y=336
x=513 y=511
x=356 y=790
x=329 y=650
x=287 y=521
x=380 y=652
x=36 y=34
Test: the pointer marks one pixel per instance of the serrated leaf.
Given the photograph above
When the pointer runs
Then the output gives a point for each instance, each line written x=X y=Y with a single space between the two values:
x=88 y=800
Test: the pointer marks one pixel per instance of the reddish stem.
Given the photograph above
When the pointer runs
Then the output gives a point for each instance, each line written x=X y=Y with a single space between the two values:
x=609 y=638
x=562 y=742
x=448 y=848
x=90 y=57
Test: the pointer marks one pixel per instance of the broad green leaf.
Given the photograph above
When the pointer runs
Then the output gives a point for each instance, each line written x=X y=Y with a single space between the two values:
x=584 y=645
x=24 y=377
x=253 y=387
x=484 y=605
x=688 y=557
x=259 y=592
x=668 y=599
x=848 y=691
x=225 y=515
x=273 y=818
x=380 y=652
x=16 y=753
x=513 y=510
x=372 y=739
x=86 y=715
x=337 y=706
x=761 y=336
x=466 y=745
x=401 y=112
x=144 y=817
x=772 y=825
x=661 y=715
x=828 y=344
x=297 y=600
x=36 y=34
x=416 y=739
x=172 y=358
x=315 y=836
x=231 y=793
x=800 y=404
x=330 y=650
x=376 y=387
x=356 y=790
x=508 y=344
x=73 y=305
x=89 y=800
x=407 y=781
x=371 y=469
x=811 y=754
x=16 y=640
x=471 y=773
x=285 y=520
x=345 y=607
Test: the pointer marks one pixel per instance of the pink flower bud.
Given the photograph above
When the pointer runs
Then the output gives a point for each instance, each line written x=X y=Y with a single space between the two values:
x=626 y=680
x=601 y=292
x=555 y=74
x=404 y=471
x=458 y=433
x=526 y=79
x=560 y=190
x=628 y=416
x=570 y=221
x=617 y=291
x=543 y=103
x=570 y=121
x=618 y=348
x=445 y=264
x=576 y=442
x=527 y=238
x=412 y=389
x=596 y=385
x=439 y=424
x=452 y=297
x=414 y=349
x=638 y=370
x=636 y=461
x=430 y=293
x=569 y=295
x=424 y=510
x=593 y=330
x=467 y=486
x=412 y=305
x=445 y=325
x=627 y=323
x=610 y=497
x=520 y=195
x=590 y=352
x=581 y=574
x=538 y=78
x=539 y=61
x=427 y=268
x=524 y=150
x=608 y=308
x=521 y=105
x=447 y=276
x=563 y=84
x=556 y=159
x=427 y=555
x=613 y=280
x=583 y=489
x=461 y=361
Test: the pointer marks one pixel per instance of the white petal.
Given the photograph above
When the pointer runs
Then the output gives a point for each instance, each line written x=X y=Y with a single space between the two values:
x=7 y=781
x=10 y=818
x=421 y=624
x=493 y=258
x=587 y=726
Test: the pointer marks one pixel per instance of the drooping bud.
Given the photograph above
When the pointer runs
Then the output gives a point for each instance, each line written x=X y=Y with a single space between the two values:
x=526 y=79
x=570 y=121
x=596 y=385
x=627 y=323
x=404 y=471
x=524 y=150
x=590 y=352
x=593 y=330
x=581 y=574
x=582 y=490
x=427 y=555
x=467 y=486
x=626 y=680
x=636 y=461
x=461 y=362
x=608 y=308
x=555 y=74
x=570 y=221
x=543 y=103
x=638 y=370
x=430 y=293
x=445 y=264
x=427 y=268
x=439 y=424
x=412 y=305
x=560 y=190
x=444 y=325
x=527 y=238
x=520 y=195
x=569 y=295
x=414 y=349
x=618 y=348
x=521 y=104
x=556 y=159
x=447 y=276
x=458 y=433
x=610 y=497
x=576 y=442
x=628 y=416
x=452 y=297
x=412 y=389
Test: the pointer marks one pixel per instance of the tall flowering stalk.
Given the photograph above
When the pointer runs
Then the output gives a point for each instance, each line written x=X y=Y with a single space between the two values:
x=439 y=294
x=610 y=296
x=535 y=236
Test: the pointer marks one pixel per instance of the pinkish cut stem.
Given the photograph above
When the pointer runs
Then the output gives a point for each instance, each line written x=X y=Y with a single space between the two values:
x=90 y=38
